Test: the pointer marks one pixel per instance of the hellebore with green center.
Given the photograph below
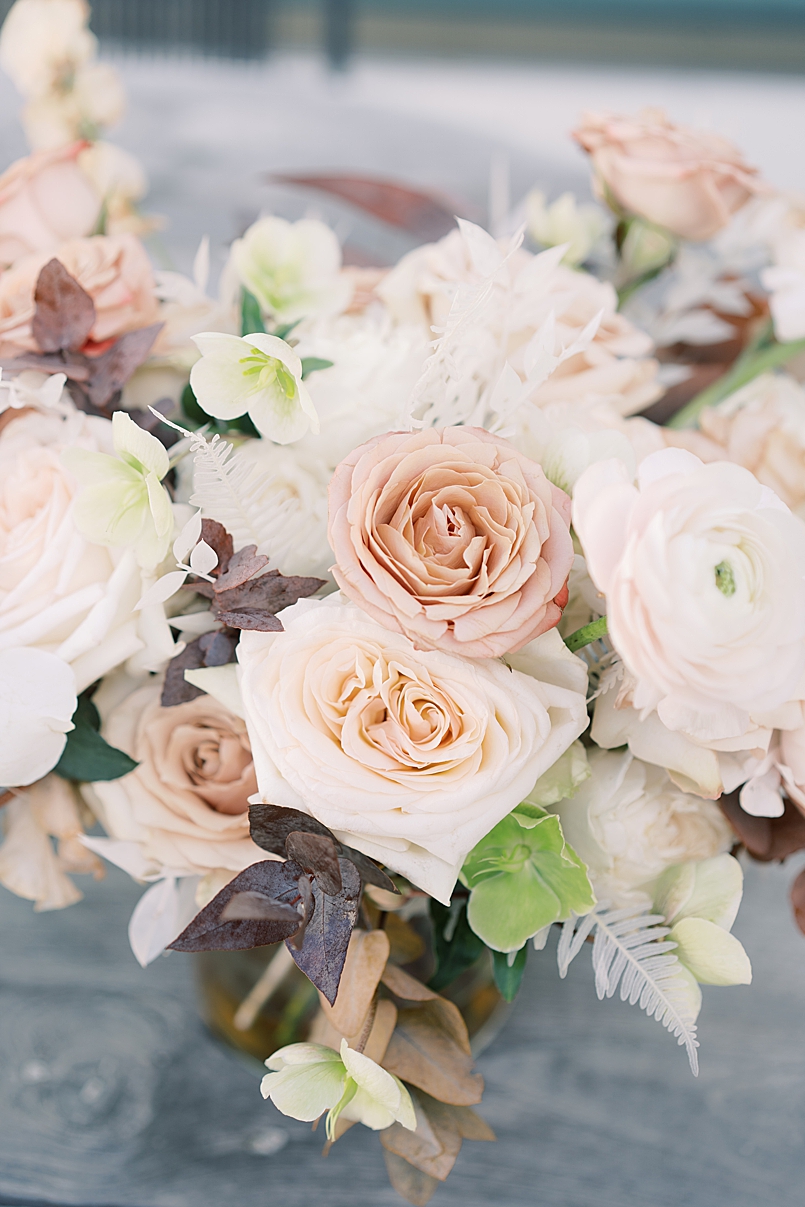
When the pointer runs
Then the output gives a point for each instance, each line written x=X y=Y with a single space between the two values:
x=523 y=876
x=259 y=374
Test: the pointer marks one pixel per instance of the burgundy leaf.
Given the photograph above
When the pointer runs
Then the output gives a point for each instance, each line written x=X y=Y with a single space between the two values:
x=798 y=900
x=270 y=592
x=220 y=541
x=326 y=940
x=65 y=313
x=270 y=825
x=308 y=902
x=78 y=371
x=317 y=854
x=247 y=907
x=370 y=872
x=766 y=838
x=218 y=647
x=210 y=932
x=176 y=689
x=425 y=215
x=254 y=619
x=112 y=369
x=242 y=566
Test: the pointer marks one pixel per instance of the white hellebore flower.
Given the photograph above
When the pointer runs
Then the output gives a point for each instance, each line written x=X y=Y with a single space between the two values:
x=122 y=500
x=292 y=268
x=703 y=569
x=308 y=1079
x=699 y=902
x=258 y=374
x=565 y=221
x=37 y=701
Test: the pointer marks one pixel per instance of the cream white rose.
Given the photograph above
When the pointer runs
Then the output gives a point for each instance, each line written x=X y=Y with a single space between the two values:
x=411 y=756
x=629 y=822
x=704 y=575
x=59 y=592
x=37 y=702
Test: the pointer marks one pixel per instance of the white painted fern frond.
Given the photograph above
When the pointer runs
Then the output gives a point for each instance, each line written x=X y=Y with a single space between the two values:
x=226 y=490
x=574 y=934
x=631 y=952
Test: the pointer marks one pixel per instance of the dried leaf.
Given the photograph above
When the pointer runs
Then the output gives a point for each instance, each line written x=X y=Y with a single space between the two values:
x=366 y=958
x=370 y=872
x=426 y=1050
x=766 y=838
x=210 y=649
x=417 y=1187
x=253 y=619
x=318 y=854
x=270 y=592
x=218 y=539
x=242 y=566
x=324 y=949
x=798 y=900
x=112 y=370
x=435 y=1144
x=65 y=313
x=246 y=907
x=407 y=944
x=209 y=932
x=385 y=1020
x=218 y=647
x=404 y=986
x=422 y=214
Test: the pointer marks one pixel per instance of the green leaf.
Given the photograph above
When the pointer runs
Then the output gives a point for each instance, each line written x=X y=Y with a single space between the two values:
x=87 y=757
x=312 y=364
x=285 y=329
x=523 y=876
x=251 y=320
x=200 y=418
x=190 y=408
x=508 y=976
x=457 y=953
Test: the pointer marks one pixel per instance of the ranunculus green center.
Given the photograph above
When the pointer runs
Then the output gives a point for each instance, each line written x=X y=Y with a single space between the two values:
x=725 y=579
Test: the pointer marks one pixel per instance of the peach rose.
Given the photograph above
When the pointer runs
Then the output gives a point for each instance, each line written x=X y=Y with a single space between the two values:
x=113 y=269
x=44 y=200
x=688 y=181
x=452 y=537
x=186 y=804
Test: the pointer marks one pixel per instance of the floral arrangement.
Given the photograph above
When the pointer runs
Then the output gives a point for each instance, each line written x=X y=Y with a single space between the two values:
x=465 y=595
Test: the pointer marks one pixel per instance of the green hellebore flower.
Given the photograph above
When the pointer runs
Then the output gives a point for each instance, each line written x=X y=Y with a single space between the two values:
x=259 y=374
x=308 y=1079
x=121 y=500
x=523 y=876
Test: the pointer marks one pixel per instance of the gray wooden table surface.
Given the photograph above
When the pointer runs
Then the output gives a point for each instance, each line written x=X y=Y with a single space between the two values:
x=113 y=1094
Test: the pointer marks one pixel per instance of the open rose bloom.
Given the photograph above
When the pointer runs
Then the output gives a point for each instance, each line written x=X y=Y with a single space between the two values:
x=369 y=619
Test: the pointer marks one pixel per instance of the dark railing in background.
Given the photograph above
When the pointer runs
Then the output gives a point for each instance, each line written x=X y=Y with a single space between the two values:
x=764 y=34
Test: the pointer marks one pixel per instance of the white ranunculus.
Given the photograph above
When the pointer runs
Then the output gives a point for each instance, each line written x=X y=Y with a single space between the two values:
x=785 y=281
x=58 y=591
x=292 y=268
x=37 y=701
x=410 y=756
x=259 y=375
x=629 y=822
x=704 y=575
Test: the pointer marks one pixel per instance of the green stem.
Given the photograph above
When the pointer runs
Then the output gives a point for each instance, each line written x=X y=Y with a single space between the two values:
x=749 y=365
x=586 y=635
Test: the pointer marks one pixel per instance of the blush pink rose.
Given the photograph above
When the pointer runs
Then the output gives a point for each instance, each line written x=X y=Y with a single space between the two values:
x=689 y=181
x=113 y=269
x=452 y=537
x=44 y=200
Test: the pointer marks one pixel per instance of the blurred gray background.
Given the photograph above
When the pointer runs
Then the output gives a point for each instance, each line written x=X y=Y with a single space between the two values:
x=112 y=1093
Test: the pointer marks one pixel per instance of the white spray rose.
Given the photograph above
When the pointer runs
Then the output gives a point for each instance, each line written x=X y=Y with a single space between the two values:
x=413 y=756
x=704 y=575
x=629 y=822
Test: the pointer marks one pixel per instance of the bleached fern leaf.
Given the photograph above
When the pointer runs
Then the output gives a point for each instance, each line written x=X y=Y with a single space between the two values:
x=631 y=952
x=574 y=933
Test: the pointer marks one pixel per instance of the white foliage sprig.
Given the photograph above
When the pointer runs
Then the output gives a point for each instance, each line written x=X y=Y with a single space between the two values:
x=631 y=953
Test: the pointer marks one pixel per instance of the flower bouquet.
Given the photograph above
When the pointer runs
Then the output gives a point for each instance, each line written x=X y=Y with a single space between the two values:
x=388 y=620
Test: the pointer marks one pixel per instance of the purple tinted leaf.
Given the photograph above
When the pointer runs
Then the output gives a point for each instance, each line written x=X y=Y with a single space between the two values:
x=422 y=214
x=270 y=825
x=254 y=619
x=210 y=932
x=370 y=872
x=65 y=313
x=220 y=541
x=242 y=566
x=176 y=689
x=318 y=854
x=218 y=647
x=245 y=907
x=766 y=838
x=270 y=592
x=326 y=940
x=112 y=370
x=46 y=364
